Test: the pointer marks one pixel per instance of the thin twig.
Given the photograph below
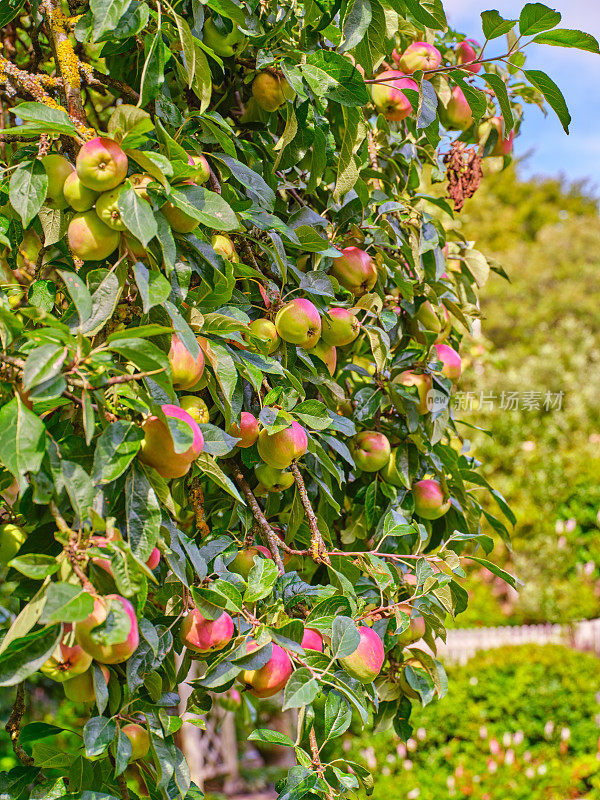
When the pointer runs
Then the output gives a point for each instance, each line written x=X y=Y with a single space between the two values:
x=316 y=761
x=318 y=551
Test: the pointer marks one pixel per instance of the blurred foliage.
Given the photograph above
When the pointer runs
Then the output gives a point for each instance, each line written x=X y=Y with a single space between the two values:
x=540 y=335
x=524 y=728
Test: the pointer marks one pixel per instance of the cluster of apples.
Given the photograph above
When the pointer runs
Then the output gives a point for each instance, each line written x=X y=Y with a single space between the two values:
x=202 y=636
x=92 y=188
x=391 y=101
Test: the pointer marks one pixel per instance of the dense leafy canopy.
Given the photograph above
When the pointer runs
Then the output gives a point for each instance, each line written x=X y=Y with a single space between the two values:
x=230 y=315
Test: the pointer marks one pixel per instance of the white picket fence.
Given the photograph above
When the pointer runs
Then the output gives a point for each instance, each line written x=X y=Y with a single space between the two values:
x=462 y=643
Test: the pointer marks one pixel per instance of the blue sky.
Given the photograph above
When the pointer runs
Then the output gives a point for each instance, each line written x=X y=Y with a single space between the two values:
x=577 y=74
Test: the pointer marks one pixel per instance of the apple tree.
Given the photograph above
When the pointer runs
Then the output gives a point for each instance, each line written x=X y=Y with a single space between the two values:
x=233 y=297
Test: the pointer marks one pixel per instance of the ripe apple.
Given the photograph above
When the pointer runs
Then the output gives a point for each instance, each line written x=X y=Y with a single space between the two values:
x=58 y=170
x=66 y=662
x=139 y=738
x=266 y=331
x=244 y=560
x=299 y=323
x=78 y=196
x=136 y=781
x=272 y=677
x=80 y=689
x=202 y=168
x=11 y=538
x=422 y=382
x=230 y=700
x=428 y=318
x=153 y=559
x=196 y=408
x=504 y=145
x=101 y=164
x=246 y=431
x=466 y=52
x=224 y=247
x=185 y=370
x=429 y=499
x=366 y=661
x=201 y=635
x=388 y=97
x=139 y=182
x=357 y=379
x=419 y=55
x=89 y=238
x=107 y=208
x=370 y=450
x=27 y=255
x=93 y=644
x=312 y=640
x=158 y=449
x=355 y=270
x=223 y=44
x=179 y=221
x=339 y=327
x=273 y=480
x=458 y=114
x=326 y=353
x=280 y=449
x=271 y=90
x=416 y=626
x=451 y=361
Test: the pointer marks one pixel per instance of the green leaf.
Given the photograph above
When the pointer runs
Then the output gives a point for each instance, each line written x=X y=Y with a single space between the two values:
x=104 y=302
x=354 y=134
x=300 y=690
x=222 y=594
x=501 y=92
x=39 y=118
x=496 y=570
x=79 y=293
x=106 y=14
x=98 y=733
x=344 y=637
x=137 y=214
x=333 y=77
x=562 y=37
x=338 y=715
x=116 y=448
x=210 y=468
x=66 y=602
x=10 y=10
x=229 y=9
x=254 y=184
x=43 y=364
x=536 y=17
x=271 y=737
x=417 y=10
x=27 y=190
x=209 y=208
x=129 y=119
x=552 y=94
x=262 y=578
x=27 y=618
x=154 y=287
x=35 y=566
x=494 y=25
x=314 y=414
x=355 y=24
x=22 y=439
x=475 y=98
x=26 y=655
x=35 y=731
x=42 y=294
x=143 y=513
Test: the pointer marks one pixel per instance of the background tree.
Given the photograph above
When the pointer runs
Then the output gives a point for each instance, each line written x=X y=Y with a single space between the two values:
x=230 y=338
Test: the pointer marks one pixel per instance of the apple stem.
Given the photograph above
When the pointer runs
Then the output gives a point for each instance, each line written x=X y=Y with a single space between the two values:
x=318 y=551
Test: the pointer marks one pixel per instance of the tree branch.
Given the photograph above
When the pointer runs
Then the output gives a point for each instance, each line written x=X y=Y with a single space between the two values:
x=269 y=534
x=318 y=551
x=316 y=761
x=13 y=726
x=67 y=63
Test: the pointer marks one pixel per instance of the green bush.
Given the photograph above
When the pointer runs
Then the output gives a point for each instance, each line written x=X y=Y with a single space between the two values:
x=525 y=728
